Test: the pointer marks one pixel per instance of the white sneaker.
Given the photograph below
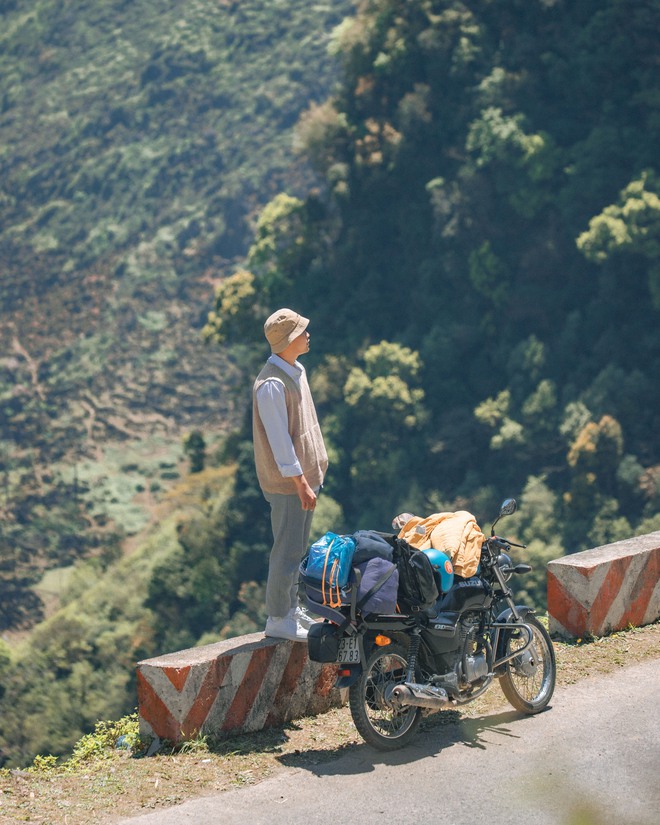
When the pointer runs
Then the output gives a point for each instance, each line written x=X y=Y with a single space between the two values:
x=287 y=627
x=304 y=618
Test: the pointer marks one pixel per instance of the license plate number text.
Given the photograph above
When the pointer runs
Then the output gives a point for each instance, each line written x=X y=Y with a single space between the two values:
x=349 y=652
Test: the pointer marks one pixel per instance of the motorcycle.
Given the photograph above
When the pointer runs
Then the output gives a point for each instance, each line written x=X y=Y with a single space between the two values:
x=399 y=667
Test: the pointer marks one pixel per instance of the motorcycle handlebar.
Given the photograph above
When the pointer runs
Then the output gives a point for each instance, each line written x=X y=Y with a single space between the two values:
x=507 y=542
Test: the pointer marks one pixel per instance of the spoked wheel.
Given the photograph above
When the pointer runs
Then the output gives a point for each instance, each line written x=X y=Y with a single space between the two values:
x=529 y=680
x=380 y=721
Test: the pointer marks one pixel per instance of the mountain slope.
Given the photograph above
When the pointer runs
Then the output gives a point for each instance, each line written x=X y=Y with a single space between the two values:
x=137 y=141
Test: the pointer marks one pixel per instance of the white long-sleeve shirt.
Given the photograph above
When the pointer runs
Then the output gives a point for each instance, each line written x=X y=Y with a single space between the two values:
x=271 y=403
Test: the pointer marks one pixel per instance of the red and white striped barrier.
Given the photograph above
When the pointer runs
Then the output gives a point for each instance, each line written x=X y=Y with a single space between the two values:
x=244 y=684
x=605 y=589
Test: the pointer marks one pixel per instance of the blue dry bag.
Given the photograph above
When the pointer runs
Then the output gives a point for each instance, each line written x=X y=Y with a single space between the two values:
x=329 y=561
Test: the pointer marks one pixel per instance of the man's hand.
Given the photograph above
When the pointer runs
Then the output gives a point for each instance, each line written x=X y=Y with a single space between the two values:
x=306 y=495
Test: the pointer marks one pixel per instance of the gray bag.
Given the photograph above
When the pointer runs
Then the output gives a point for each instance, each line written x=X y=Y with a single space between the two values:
x=378 y=586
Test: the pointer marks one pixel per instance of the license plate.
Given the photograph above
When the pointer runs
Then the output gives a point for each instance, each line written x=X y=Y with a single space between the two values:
x=349 y=652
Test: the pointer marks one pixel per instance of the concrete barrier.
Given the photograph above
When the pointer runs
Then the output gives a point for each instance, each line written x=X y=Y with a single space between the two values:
x=244 y=684
x=605 y=589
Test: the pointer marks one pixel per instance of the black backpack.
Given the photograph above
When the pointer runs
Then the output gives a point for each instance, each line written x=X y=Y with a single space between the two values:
x=417 y=587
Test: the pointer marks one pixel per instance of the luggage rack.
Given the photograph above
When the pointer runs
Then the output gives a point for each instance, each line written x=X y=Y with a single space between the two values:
x=346 y=616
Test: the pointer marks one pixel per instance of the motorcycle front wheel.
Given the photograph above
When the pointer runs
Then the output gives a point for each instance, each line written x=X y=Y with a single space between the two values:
x=380 y=722
x=529 y=680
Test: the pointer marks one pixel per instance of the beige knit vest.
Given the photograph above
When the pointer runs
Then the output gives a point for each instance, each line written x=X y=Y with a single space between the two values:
x=304 y=431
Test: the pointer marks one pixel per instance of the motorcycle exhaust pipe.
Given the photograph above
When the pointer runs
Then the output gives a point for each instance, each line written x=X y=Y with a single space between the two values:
x=420 y=696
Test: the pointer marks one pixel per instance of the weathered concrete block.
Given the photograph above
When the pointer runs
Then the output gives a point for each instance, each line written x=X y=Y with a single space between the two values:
x=605 y=589
x=243 y=684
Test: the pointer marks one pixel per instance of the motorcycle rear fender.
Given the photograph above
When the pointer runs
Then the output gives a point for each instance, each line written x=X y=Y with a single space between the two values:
x=366 y=645
x=345 y=681
x=506 y=616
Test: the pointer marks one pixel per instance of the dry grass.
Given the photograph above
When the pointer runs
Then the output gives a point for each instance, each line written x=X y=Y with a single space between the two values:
x=112 y=785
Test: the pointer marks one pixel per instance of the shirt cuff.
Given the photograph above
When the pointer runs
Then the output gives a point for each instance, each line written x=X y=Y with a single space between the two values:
x=289 y=470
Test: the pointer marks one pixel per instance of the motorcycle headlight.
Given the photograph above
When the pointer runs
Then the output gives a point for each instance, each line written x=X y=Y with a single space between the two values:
x=504 y=561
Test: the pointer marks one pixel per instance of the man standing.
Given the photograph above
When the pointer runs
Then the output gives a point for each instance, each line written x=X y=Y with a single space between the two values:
x=291 y=461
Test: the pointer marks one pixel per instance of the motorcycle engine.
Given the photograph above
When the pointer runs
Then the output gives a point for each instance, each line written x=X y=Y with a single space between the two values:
x=476 y=667
x=471 y=663
x=467 y=663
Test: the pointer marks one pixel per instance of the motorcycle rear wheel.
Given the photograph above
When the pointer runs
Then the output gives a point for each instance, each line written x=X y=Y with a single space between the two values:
x=529 y=680
x=379 y=721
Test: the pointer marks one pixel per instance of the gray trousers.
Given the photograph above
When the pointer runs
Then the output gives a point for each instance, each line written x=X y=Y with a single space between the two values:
x=291 y=527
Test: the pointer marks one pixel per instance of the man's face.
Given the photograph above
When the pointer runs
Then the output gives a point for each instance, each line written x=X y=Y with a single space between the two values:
x=301 y=343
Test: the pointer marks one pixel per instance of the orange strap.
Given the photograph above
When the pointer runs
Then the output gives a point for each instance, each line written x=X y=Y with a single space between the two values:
x=333 y=581
x=325 y=567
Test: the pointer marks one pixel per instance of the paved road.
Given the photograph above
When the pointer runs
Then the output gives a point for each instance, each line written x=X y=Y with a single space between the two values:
x=597 y=746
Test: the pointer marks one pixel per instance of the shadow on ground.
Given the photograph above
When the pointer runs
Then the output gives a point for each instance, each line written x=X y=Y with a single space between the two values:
x=439 y=733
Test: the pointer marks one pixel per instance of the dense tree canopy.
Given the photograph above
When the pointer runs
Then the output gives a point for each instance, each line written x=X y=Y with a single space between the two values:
x=491 y=217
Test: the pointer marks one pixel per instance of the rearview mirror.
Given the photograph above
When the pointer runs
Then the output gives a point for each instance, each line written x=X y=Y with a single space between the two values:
x=508 y=507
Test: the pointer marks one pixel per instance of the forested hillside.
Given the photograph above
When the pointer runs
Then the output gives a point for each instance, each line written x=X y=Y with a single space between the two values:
x=478 y=249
